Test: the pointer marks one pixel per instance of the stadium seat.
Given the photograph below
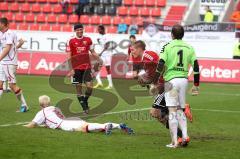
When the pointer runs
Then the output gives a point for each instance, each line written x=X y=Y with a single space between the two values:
x=41 y=18
x=117 y=20
x=106 y=20
x=94 y=2
x=57 y=8
x=9 y=16
x=133 y=11
x=111 y=10
x=74 y=1
x=67 y=28
x=45 y=27
x=51 y=18
x=31 y=1
x=139 y=2
x=62 y=18
x=156 y=12
x=42 y=1
x=34 y=27
x=128 y=20
x=122 y=11
x=53 y=1
x=106 y=2
x=151 y=20
x=139 y=21
x=111 y=29
x=128 y=2
x=47 y=8
x=19 y=17
x=89 y=29
x=25 y=7
x=23 y=26
x=100 y=10
x=145 y=12
x=36 y=8
x=20 y=1
x=70 y=10
x=13 y=26
x=95 y=20
x=14 y=7
x=150 y=3
x=73 y=19
x=116 y=2
x=161 y=3
x=88 y=10
x=4 y=6
x=29 y=18
x=84 y=19
x=56 y=28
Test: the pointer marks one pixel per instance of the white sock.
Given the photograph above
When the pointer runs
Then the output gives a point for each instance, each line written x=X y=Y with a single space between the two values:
x=98 y=78
x=109 y=78
x=20 y=97
x=182 y=121
x=1 y=92
x=4 y=85
x=173 y=126
x=115 y=126
x=96 y=127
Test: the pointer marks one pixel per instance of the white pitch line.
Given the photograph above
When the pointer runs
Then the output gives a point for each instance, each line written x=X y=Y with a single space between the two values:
x=133 y=110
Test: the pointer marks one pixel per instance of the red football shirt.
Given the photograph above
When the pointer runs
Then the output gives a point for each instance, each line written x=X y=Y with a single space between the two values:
x=150 y=61
x=79 y=48
x=135 y=60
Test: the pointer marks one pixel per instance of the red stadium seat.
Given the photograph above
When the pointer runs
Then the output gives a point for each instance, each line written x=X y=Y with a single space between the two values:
x=20 y=1
x=53 y=1
x=128 y=2
x=4 y=6
x=36 y=8
x=73 y=19
x=45 y=27
x=13 y=26
x=84 y=19
x=156 y=12
x=67 y=28
x=23 y=26
x=9 y=16
x=89 y=29
x=145 y=12
x=161 y=3
x=29 y=18
x=128 y=20
x=25 y=7
x=14 y=7
x=151 y=20
x=70 y=10
x=47 y=8
x=117 y=20
x=139 y=2
x=57 y=8
x=41 y=18
x=139 y=21
x=31 y=1
x=62 y=18
x=56 y=28
x=74 y=1
x=122 y=11
x=51 y=18
x=150 y=3
x=106 y=20
x=133 y=11
x=19 y=17
x=42 y=1
x=34 y=27
x=112 y=29
x=95 y=19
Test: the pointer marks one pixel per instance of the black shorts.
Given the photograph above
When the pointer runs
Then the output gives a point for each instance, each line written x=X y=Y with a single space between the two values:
x=160 y=103
x=137 y=67
x=82 y=76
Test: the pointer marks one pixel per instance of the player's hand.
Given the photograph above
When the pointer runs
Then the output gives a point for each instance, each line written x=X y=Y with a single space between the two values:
x=71 y=73
x=195 y=90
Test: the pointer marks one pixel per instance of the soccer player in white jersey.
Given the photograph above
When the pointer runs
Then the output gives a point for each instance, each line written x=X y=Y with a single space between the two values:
x=52 y=117
x=106 y=56
x=8 y=60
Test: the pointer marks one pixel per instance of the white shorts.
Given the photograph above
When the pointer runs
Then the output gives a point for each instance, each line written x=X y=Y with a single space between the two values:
x=107 y=60
x=71 y=125
x=175 y=92
x=2 y=74
x=10 y=73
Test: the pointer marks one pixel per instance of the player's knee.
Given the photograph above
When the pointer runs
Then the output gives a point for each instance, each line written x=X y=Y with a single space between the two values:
x=13 y=87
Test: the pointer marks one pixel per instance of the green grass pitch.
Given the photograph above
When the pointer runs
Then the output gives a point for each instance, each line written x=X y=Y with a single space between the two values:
x=215 y=132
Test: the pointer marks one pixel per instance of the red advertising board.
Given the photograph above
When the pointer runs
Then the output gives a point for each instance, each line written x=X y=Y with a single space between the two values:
x=212 y=70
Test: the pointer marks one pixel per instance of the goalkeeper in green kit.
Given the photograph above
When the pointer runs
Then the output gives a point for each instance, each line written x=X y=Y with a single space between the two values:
x=176 y=56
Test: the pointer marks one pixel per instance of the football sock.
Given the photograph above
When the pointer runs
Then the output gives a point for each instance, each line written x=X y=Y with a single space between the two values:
x=98 y=78
x=95 y=127
x=20 y=97
x=179 y=131
x=173 y=126
x=182 y=121
x=109 y=78
x=5 y=86
x=81 y=101
x=1 y=92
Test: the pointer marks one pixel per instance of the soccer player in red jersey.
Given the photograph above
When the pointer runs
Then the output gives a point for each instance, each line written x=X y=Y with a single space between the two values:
x=80 y=48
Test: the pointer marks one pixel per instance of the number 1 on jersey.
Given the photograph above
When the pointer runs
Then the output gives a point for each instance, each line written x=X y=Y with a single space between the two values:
x=180 y=54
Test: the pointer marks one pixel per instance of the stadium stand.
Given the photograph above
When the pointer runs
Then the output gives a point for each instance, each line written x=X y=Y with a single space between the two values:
x=48 y=14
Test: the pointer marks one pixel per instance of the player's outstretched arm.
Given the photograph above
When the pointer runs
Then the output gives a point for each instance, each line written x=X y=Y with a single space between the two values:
x=5 y=51
x=20 y=43
x=30 y=125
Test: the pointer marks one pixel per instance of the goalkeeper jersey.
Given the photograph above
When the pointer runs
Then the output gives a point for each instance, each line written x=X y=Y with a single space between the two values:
x=177 y=55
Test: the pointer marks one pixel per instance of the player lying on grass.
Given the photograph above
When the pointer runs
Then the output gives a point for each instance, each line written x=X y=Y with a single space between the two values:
x=149 y=64
x=53 y=118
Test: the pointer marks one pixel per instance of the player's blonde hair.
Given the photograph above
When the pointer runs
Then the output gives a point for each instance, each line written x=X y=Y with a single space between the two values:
x=44 y=100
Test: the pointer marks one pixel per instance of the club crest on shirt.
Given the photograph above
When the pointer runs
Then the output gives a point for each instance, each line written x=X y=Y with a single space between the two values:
x=85 y=42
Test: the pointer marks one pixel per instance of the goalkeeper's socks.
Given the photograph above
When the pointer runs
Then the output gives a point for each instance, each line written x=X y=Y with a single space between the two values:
x=95 y=127
x=179 y=133
x=182 y=121
x=173 y=126
x=1 y=92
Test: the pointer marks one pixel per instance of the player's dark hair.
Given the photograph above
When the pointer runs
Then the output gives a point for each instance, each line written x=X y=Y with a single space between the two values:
x=4 y=21
x=101 y=27
x=77 y=26
x=140 y=44
x=132 y=36
x=177 y=32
